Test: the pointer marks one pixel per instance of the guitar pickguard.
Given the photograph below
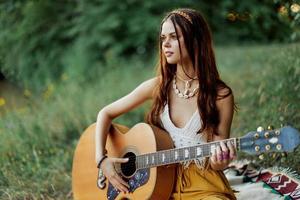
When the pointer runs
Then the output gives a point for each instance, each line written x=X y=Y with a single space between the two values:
x=140 y=178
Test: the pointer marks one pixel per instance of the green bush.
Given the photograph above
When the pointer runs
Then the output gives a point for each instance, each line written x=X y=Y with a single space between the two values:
x=43 y=41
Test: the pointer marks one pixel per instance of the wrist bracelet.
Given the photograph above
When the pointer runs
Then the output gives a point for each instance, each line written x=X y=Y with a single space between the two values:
x=101 y=160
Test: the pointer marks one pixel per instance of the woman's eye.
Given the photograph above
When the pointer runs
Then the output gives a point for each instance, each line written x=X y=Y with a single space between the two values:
x=172 y=37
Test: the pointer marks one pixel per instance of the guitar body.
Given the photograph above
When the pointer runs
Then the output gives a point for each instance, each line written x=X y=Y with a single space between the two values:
x=150 y=183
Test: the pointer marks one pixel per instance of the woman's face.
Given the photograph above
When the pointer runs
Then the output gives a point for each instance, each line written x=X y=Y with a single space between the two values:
x=170 y=44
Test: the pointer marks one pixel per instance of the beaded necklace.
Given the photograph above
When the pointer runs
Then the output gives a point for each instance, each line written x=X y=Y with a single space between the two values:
x=187 y=93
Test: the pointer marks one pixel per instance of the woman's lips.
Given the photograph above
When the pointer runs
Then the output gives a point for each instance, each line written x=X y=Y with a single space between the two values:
x=169 y=53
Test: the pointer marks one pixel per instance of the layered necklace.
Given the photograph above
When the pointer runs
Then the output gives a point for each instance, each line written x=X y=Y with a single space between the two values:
x=188 y=93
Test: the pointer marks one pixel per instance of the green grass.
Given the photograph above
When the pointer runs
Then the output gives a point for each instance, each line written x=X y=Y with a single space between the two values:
x=38 y=139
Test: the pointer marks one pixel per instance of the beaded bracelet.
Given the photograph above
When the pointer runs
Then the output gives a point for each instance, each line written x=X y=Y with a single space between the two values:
x=101 y=160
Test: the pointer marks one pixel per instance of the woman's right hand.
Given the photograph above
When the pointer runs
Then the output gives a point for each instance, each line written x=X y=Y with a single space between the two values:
x=110 y=173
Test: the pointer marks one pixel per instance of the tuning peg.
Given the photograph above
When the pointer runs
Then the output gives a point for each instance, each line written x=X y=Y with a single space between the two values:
x=260 y=129
x=261 y=156
x=267 y=134
x=278 y=147
x=274 y=155
x=270 y=127
x=257 y=148
x=267 y=147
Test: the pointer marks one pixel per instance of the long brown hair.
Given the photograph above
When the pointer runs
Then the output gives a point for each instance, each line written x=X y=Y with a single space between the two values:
x=198 y=42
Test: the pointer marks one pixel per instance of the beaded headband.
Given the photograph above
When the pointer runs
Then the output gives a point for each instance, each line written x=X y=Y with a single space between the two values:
x=183 y=14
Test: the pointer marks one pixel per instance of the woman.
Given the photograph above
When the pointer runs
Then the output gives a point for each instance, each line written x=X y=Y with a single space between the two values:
x=190 y=101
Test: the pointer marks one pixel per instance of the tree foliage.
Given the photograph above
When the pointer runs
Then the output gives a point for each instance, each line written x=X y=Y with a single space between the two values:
x=41 y=41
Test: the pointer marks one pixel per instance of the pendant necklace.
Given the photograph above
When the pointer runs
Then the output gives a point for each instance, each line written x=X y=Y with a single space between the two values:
x=187 y=93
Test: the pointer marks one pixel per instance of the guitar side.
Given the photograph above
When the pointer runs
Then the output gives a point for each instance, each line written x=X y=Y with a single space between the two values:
x=140 y=139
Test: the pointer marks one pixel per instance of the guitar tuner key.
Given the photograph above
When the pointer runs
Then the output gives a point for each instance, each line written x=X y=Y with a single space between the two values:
x=267 y=134
x=256 y=135
x=260 y=129
x=278 y=146
x=267 y=147
x=256 y=148
x=277 y=132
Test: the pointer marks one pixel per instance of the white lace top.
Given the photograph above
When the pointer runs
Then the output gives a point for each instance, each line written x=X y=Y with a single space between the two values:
x=186 y=136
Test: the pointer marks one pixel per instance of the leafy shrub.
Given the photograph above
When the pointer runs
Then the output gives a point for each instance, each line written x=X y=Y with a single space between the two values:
x=43 y=41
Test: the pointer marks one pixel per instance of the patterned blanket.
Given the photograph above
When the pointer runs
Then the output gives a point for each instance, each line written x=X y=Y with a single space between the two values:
x=263 y=184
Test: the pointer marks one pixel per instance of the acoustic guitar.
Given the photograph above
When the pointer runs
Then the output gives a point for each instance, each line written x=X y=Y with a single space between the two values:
x=151 y=168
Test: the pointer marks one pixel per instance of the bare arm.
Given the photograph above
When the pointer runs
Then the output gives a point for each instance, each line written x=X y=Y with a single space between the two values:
x=139 y=95
x=226 y=109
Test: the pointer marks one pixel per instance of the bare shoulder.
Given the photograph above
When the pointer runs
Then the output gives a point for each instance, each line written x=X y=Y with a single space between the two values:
x=225 y=106
x=152 y=82
x=225 y=97
x=148 y=87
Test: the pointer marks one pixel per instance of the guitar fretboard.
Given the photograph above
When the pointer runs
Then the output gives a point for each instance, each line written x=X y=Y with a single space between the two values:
x=177 y=155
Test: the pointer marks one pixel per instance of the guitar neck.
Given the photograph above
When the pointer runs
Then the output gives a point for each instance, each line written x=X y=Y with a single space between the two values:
x=177 y=155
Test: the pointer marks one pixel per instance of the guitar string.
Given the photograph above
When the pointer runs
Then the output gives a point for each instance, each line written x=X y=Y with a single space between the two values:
x=132 y=165
x=205 y=147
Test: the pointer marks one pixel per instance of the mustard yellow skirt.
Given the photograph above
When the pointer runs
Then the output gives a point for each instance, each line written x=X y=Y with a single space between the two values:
x=207 y=184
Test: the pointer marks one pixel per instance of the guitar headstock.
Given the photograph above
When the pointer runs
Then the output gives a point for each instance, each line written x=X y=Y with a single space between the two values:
x=285 y=139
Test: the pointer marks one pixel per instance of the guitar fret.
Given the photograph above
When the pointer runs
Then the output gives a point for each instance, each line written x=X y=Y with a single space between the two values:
x=176 y=155
x=153 y=159
x=198 y=152
x=143 y=161
x=168 y=155
x=192 y=152
x=186 y=153
x=147 y=160
x=206 y=150
x=140 y=161
x=180 y=154
x=171 y=156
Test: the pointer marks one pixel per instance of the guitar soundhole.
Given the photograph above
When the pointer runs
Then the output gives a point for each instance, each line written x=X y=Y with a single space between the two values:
x=129 y=167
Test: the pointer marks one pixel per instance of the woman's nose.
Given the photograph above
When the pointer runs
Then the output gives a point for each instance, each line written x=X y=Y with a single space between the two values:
x=166 y=43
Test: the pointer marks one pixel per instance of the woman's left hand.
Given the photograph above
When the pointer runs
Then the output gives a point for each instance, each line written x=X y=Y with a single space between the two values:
x=222 y=156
